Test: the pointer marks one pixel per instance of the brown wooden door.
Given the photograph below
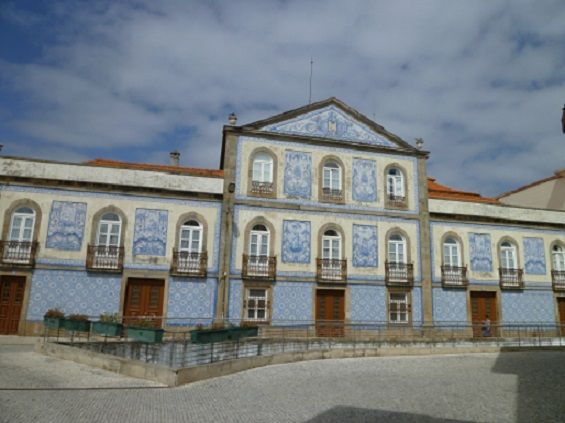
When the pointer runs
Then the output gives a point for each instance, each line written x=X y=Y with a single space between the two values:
x=483 y=307
x=11 y=301
x=144 y=297
x=330 y=312
x=561 y=308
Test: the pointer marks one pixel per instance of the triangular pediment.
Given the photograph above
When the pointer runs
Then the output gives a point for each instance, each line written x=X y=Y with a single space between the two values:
x=334 y=120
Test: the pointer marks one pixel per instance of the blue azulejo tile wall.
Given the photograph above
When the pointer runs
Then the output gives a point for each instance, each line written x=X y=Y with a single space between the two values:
x=190 y=301
x=234 y=301
x=449 y=305
x=528 y=306
x=417 y=306
x=367 y=303
x=73 y=292
x=292 y=301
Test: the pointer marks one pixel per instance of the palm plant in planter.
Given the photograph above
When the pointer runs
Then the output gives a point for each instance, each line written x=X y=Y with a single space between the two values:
x=77 y=323
x=146 y=330
x=108 y=325
x=53 y=318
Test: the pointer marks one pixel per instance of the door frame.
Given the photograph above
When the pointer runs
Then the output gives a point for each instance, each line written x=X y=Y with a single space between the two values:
x=22 y=324
x=497 y=306
x=141 y=274
x=344 y=290
x=559 y=297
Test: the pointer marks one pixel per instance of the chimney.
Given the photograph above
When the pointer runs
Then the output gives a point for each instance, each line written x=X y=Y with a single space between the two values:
x=563 y=120
x=175 y=156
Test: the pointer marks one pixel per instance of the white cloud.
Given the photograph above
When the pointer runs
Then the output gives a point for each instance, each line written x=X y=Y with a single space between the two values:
x=481 y=82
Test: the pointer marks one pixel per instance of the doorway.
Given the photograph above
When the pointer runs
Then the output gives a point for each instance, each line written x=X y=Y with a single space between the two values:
x=561 y=309
x=483 y=306
x=330 y=312
x=144 y=297
x=12 y=290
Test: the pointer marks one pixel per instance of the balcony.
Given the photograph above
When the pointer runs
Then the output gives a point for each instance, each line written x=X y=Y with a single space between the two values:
x=332 y=195
x=511 y=278
x=558 y=280
x=399 y=274
x=105 y=258
x=331 y=270
x=262 y=189
x=189 y=264
x=259 y=267
x=396 y=201
x=18 y=253
x=454 y=277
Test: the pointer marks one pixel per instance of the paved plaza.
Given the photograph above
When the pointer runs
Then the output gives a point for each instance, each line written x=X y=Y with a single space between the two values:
x=507 y=387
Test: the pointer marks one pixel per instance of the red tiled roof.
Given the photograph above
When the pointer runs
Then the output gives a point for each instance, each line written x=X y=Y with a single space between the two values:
x=443 y=192
x=192 y=171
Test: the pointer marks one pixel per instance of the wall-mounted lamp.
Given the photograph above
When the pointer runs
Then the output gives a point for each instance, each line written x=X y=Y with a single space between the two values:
x=231 y=187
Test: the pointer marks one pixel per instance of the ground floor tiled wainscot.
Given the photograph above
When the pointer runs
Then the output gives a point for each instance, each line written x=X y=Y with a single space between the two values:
x=191 y=301
x=73 y=291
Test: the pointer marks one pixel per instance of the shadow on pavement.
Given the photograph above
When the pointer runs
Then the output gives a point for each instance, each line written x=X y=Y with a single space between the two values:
x=361 y=415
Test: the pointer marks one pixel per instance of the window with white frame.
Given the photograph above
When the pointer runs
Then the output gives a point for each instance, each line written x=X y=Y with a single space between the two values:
x=451 y=252
x=109 y=230
x=558 y=258
x=331 y=177
x=21 y=227
x=262 y=168
x=398 y=307
x=396 y=249
x=190 y=237
x=508 y=255
x=395 y=184
x=259 y=241
x=257 y=304
x=331 y=245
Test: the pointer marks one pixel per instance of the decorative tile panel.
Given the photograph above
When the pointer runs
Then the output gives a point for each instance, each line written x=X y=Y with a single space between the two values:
x=150 y=236
x=292 y=301
x=480 y=252
x=368 y=303
x=235 y=301
x=364 y=185
x=66 y=225
x=73 y=292
x=449 y=305
x=365 y=250
x=528 y=306
x=534 y=256
x=190 y=301
x=330 y=122
x=298 y=174
x=417 y=306
x=296 y=241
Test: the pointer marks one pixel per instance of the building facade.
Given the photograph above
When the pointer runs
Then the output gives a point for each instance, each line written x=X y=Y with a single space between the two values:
x=317 y=214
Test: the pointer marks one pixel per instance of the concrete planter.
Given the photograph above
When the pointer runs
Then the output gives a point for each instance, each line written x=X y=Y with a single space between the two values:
x=149 y=335
x=53 y=322
x=76 y=325
x=208 y=336
x=107 y=328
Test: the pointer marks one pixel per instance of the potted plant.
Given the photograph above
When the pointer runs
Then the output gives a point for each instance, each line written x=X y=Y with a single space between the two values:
x=146 y=330
x=108 y=325
x=53 y=318
x=77 y=323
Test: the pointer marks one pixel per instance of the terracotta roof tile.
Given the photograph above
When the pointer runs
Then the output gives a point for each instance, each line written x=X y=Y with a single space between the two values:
x=443 y=192
x=192 y=171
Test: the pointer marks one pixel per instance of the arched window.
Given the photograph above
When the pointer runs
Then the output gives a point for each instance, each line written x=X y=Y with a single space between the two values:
x=331 y=245
x=451 y=252
x=395 y=184
x=21 y=226
x=332 y=176
x=508 y=256
x=397 y=249
x=558 y=258
x=190 y=237
x=262 y=168
x=259 y=241
x=109 y=230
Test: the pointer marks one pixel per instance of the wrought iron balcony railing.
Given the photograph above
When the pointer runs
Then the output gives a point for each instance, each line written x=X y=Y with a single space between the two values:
x=259 y=267
x=558 y=280
x=454 y=277
x=263 y=189
x=399 y=274
x=511 y=278
x=18 y=253
x=331 y=270
x=332 y=195
x=396 y=200
x=189 y=264
x=105 y=258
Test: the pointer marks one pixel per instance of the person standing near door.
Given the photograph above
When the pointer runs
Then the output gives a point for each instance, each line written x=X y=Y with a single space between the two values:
x=486 y=326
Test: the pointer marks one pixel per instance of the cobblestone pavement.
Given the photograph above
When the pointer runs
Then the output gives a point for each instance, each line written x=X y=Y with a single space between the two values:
x=508 y=387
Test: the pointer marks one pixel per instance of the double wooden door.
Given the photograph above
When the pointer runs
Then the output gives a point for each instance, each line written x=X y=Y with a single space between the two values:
x=330 y=312
x=11 y=301
x=484 y=314
x=144 y=297
x=561 y=308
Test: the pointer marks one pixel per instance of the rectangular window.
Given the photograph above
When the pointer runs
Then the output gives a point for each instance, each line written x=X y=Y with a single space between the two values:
x=256 y=304
x=398 y=307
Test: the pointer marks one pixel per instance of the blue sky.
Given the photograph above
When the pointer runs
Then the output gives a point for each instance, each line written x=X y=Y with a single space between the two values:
x=482 y=82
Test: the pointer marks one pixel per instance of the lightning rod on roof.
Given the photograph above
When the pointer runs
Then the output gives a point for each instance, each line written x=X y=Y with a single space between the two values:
x=310 y=91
